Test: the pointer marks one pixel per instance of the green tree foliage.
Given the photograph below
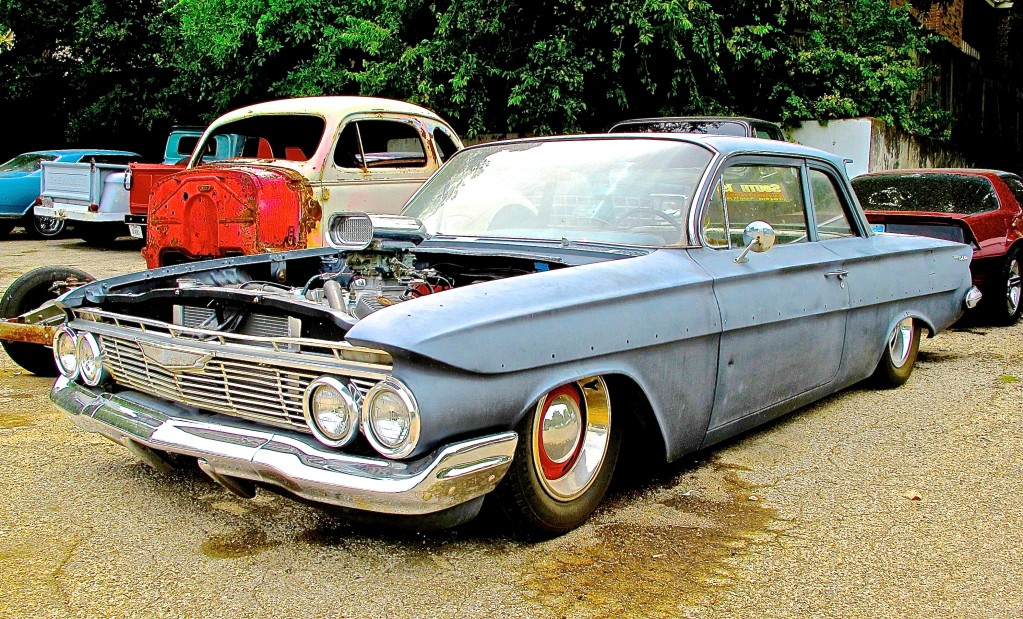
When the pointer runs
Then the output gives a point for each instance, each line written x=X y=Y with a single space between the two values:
x=829 y=60
x=101 y=67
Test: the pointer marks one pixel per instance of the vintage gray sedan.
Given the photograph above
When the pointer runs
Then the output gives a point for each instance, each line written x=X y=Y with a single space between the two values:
x=538 y=301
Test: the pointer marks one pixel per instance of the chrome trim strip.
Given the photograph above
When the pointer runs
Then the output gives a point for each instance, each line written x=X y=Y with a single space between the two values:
x=342 y=351
x=451 y=475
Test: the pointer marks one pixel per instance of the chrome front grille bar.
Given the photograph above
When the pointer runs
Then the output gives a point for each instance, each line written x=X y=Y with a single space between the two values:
x=231 y=374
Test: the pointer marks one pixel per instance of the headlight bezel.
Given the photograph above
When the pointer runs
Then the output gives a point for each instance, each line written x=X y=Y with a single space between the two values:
x=347 y=397
x=90 y=341
x=408 y=443
x=58 y=336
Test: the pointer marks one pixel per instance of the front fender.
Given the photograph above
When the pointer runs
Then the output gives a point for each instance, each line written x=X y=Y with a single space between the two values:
x=554 y=317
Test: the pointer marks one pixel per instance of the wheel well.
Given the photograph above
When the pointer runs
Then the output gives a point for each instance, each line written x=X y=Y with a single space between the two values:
x=642 y=438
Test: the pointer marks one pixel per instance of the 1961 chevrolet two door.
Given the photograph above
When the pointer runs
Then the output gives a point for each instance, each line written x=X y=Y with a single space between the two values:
x=539 y=300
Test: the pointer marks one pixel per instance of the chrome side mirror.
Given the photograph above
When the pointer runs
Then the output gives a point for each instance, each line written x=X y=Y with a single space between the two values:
x=758 y=236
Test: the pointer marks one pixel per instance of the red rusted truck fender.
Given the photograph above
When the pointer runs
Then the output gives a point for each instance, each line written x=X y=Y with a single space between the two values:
x=210 y=212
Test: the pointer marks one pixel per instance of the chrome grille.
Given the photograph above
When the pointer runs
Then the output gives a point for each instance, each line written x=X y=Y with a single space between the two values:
x=257 y=325
x=261 y=385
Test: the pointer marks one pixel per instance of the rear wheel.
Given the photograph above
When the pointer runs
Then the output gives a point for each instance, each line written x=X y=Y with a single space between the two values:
x=25 y=294
x=45 y=227
x=564 y=460
x=1003 y=300
x=901 y=350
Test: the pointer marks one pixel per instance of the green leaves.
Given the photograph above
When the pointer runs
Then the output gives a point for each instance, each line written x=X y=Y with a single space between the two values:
x=493 y=66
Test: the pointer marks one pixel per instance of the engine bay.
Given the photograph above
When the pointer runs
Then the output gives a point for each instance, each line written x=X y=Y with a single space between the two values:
x=311 y=294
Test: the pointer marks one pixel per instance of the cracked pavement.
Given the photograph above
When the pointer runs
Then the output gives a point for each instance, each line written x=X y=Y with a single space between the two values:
x=808 y=516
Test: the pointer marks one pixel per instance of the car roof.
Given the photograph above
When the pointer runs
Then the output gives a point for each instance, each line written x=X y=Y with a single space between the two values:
x=713 y=119
x=959 y=171
x=726 y=145
x=332 y=108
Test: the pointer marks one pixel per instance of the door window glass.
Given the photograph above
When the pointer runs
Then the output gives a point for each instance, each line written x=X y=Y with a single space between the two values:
x=1016 y=186
x=832 y=217
x=771 y=193
x=379 y=144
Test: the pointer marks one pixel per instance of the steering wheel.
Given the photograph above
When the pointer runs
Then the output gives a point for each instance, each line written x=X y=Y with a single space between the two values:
x=646 y=210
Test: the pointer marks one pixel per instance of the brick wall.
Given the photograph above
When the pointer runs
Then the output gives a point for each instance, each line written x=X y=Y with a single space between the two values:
x=945 y=17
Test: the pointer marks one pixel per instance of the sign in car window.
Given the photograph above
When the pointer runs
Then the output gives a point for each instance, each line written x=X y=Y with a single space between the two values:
x=765 y=193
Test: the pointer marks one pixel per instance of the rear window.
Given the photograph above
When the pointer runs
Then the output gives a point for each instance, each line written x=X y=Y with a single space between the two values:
x=929 y=193
x=282 y=136
x=682 y=126
x=28 y=162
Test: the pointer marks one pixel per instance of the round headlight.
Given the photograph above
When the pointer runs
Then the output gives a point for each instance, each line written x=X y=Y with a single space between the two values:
x=390 y=417
x=64 y=343
x=90 y=360
x=331 y=411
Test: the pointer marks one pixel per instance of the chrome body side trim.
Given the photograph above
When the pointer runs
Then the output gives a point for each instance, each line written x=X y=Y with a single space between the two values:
x=451 y=475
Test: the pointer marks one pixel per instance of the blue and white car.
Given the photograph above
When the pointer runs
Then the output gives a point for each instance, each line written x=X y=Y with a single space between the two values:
x=20 y=186
x=537 y=304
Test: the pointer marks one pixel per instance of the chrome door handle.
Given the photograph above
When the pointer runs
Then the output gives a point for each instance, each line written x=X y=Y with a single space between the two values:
x=841 y=274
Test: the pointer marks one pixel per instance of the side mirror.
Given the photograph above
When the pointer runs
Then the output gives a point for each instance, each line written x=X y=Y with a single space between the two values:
x=758 y=236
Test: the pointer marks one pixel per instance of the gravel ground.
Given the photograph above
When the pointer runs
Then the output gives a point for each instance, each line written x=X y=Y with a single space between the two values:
x=901 y=503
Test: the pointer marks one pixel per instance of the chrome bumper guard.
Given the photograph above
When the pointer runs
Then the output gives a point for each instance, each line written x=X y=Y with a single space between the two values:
x=972 y=298
x=451 y=475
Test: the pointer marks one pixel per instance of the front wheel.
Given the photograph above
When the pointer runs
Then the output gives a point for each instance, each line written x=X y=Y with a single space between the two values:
x=901 y=350
x=564 y=460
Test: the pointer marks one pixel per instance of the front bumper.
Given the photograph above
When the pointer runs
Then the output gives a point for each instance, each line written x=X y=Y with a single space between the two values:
x=450 y=476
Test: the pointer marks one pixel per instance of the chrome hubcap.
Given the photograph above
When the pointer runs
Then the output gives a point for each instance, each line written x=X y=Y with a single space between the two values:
x=900 y=342
x=1013 y=288
x=570 y=436
x=49 y=225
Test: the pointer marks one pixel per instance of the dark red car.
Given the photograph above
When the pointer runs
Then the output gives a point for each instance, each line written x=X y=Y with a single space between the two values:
x=977 y=207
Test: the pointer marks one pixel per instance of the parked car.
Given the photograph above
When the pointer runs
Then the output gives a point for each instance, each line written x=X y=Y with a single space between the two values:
x=20 y=186
x=297 y=161
x=536 y=301
x=977 y=207
x=712 y=125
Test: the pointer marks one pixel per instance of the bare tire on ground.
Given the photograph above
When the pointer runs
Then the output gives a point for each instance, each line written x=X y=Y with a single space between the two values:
x=566 y=454
x=1002 y=299
x=25 y=294
x=899 y=357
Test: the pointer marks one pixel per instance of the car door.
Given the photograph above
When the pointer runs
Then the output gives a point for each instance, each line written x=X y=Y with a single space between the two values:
x=783 y=311
x=377 y=163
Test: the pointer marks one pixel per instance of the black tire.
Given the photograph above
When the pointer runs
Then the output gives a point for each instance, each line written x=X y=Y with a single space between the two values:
x=27 y=293
x=899 y=356
x=45 y=227
x=526 y=494
x=100 y=235
x=1002 y=300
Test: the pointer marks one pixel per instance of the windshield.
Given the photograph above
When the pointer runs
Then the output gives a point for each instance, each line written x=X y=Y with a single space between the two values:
x=629 y=191
x=278 y=136
x=929 y=193
x=29 y=162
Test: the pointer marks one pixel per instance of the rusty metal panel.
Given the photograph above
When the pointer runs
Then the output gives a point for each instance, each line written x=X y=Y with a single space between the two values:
x=216 y=212
x=20 y=332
